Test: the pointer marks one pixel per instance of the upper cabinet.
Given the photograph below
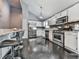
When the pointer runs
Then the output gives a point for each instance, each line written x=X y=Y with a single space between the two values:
x=64 y=13
x=73 y=13
x=58 y=15
x=52 y=21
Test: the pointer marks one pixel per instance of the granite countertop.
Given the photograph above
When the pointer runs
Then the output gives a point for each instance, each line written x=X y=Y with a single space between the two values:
x=6 y=31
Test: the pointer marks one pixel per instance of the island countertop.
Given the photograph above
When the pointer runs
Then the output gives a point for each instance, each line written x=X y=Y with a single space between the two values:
x=6 y=31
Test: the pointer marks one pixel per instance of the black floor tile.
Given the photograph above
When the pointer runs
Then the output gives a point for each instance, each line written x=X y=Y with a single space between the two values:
x=33 y=50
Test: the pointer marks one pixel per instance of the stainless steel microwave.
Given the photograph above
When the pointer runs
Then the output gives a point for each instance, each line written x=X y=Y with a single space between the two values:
x=61 y=20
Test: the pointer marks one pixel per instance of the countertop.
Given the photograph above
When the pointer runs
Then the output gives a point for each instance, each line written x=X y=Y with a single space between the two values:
x=6 y=31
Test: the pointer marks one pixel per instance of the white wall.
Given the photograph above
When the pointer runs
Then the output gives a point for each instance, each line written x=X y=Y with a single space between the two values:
x=73 y=13
x=25 y=19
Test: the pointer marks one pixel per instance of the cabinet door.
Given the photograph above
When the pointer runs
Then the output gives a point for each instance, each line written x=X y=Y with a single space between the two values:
x=73 y=13
x=5 y=51
x=64 y=13
x=71 y=41
x=51 y=35
x=0 y=53
x=52 y=21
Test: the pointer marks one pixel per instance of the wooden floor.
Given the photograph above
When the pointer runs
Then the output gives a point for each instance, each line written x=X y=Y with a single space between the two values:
x=37 y=49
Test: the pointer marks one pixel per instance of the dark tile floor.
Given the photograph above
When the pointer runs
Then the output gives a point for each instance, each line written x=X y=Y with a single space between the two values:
x=37 y=49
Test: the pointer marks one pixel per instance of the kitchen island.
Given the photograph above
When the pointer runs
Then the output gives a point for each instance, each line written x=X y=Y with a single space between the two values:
x=9 y=34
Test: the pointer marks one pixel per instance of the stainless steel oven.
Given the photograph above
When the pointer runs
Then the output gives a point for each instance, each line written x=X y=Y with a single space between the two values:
x=58 y=37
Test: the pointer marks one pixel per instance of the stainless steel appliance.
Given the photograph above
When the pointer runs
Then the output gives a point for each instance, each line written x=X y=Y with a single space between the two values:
x=58 y=37
x=47 y=33
x=46 y=36
x=61 y=20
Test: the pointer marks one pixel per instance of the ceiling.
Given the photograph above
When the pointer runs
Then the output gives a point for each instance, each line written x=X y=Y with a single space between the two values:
x=50 y=7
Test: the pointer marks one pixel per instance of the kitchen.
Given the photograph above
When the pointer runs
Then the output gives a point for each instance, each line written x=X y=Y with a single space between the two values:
x=39 y=29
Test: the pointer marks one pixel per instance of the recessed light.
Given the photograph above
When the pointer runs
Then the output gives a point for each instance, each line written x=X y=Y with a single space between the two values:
x=41 y=17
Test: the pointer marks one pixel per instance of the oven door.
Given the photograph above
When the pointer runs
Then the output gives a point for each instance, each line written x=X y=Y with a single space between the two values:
x=58 y=37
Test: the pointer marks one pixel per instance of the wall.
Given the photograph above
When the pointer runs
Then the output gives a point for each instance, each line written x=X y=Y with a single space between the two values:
x=15 y=18
x=73 y=13
x=4 y=12
x=24 y=19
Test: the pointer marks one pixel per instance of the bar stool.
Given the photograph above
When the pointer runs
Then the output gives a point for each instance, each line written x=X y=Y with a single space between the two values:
x=8 y=43
x=20 y=42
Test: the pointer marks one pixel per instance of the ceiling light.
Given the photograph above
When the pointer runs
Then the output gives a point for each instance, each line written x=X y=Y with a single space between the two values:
x=34 y=28
x=41 y=17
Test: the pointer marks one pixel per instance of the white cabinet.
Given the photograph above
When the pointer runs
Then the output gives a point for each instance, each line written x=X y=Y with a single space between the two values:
x=51 y=35
x=73 y=13
x=64 y=13
x=4 y=51
x=71 y=41
x=58 y=15
x=0 y=53
x=52 y=21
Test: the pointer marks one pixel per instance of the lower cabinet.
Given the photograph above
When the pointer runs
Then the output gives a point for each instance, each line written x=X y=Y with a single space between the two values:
x=71 y=41
x=0 y=53
x=51 y=35
x=4 y=51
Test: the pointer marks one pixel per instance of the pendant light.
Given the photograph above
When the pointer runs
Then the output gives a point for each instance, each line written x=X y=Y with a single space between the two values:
x=41 y=16
x=41 y=7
